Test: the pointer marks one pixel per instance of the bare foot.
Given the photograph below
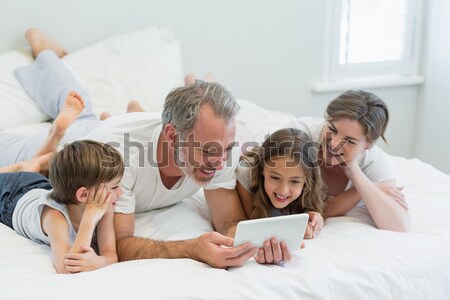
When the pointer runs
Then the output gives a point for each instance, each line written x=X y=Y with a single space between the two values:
x=38 y=164
x=104 y=115
x=39 y=42
x=134 y=106
x=72 y=108
x=189 y=79
x=209 y=77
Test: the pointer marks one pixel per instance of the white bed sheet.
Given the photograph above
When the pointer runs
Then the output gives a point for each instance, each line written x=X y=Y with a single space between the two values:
x=349 y=259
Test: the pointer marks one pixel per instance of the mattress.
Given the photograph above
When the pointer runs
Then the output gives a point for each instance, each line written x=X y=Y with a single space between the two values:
x=349 y=259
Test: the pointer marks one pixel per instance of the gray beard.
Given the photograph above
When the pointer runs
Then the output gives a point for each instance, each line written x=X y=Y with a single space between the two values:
x=181 y=161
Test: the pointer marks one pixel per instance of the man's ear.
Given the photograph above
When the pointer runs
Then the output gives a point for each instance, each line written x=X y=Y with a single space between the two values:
x=368 y=146
x=82 y=194
x=170 y=133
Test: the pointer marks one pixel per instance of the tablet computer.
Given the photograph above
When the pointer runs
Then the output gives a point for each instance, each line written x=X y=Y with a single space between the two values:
x=290 y=229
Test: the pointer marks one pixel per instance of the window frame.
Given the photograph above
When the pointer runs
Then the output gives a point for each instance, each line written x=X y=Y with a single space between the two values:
x=408 y=66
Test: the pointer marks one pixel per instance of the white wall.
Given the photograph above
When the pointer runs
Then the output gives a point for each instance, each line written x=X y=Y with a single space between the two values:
x=433 y=143
x=270 y=52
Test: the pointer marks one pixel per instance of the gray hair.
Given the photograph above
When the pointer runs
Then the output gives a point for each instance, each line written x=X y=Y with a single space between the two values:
x=182 y=105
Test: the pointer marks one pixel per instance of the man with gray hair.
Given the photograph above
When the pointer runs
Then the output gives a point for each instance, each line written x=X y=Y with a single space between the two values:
x=167 y=159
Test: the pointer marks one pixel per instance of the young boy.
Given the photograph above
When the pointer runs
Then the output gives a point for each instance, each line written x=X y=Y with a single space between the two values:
x=85 y=177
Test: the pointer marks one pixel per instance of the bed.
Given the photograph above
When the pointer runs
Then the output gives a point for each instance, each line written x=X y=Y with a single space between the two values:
x=349 y=259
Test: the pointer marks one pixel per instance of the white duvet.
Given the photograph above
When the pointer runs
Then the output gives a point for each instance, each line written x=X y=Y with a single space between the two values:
x=349 y=259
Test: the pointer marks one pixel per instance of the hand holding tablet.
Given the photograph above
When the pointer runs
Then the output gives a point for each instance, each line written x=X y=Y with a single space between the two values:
x=289 y=229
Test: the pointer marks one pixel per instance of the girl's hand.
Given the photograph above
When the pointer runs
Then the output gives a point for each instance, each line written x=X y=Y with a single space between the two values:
x=314 y=226
x=273 y=252
x=97 y=203
x=88 y=260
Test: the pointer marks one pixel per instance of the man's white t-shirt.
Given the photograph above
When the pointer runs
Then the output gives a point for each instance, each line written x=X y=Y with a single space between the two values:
x=136 y=136
x=243 y=174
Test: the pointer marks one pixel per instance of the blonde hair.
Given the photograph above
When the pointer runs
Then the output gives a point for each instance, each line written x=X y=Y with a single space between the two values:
x=294 y=144
x=82 y=164
x=366 y=108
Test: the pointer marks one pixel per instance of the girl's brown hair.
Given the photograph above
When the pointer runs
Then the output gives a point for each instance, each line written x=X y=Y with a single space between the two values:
x=295 y=144
x=82 y=164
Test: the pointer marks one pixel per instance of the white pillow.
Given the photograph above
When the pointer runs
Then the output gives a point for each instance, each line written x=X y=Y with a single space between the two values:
x=16 y=107
x=143 y=65
x=113 y=79
x=255 y=122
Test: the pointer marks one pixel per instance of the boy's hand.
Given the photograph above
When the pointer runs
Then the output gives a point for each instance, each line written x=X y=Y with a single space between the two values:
x=98 y=202
x=88 y=260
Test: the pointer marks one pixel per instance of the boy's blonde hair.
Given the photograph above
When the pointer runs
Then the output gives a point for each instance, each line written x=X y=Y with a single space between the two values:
x=83 y=164
x=296 y=145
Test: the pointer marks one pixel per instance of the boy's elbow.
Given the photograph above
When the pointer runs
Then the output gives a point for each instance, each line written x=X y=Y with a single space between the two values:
x=107 y=258
x=110 y=257
x=61 y=270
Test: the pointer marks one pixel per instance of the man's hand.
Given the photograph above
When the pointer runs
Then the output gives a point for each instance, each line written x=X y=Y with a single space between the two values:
x=217 y=251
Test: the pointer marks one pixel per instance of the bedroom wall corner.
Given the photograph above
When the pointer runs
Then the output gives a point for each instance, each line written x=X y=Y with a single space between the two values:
x=433 y=143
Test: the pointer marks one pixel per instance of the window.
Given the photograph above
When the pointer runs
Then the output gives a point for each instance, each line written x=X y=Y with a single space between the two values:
x=372 y=39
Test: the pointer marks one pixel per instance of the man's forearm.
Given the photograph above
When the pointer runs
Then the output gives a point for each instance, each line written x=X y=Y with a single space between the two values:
x=132 y=248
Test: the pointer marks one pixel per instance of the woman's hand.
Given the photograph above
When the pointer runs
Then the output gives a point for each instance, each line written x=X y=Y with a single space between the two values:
x=395 y=193
x=350 y=167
